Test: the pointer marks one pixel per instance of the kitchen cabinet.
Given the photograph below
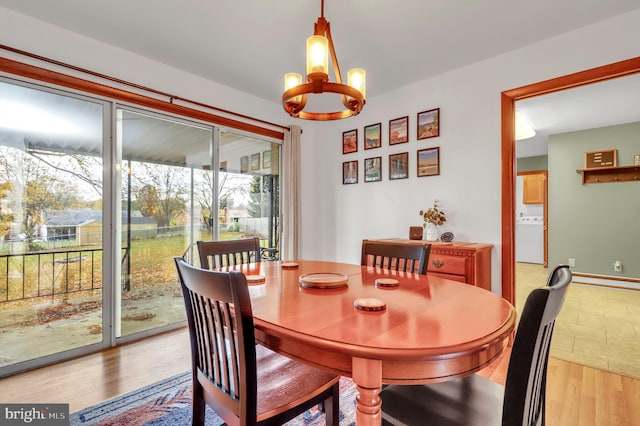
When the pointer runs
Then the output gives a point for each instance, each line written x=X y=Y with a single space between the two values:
x=533 y=189
x=458 y=261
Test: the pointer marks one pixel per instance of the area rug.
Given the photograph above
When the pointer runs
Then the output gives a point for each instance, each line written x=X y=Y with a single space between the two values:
x=168 y=403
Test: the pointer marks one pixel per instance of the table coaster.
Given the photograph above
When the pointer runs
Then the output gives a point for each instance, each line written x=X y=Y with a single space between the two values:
x=255 y=279
x=289 y=265
x=369 y=304
x=386 y=283
x=323 y=280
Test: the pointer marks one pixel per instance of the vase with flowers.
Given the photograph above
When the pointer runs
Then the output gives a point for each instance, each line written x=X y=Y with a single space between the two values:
x=433 y=218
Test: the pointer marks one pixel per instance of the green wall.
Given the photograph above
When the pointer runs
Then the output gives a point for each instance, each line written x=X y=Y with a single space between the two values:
x=530 y=164
x=596 y=224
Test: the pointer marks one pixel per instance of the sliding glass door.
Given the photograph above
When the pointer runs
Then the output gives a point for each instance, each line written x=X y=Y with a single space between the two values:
x=96 y=199
x=167 y=168
x=51 y=223
x=249 y=190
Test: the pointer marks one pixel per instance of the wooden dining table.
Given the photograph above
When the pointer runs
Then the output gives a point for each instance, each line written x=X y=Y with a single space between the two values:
x=430 y=330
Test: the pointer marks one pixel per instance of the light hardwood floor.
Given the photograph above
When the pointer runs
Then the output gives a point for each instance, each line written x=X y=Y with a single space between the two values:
x=576 y=395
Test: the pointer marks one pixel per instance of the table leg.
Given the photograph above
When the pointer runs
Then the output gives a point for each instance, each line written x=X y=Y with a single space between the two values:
x=367 y=375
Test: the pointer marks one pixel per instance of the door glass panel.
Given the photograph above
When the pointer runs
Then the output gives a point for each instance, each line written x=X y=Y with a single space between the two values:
x=179 y=182
x=249 y=191
x=166 y=162
x=50 y=224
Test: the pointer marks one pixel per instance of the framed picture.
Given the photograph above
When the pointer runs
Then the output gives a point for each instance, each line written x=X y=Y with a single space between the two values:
x=350 y=172
x=255 y=161
x=429 y=162
x=372 y=136
x=399 y=130
x=244 y=164
x=399 y=166
x=373 y=169
x=350 y=141
x=266 y=159
x=428 y=124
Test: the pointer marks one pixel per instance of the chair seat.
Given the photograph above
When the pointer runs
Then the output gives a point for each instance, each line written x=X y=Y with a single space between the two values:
x=475 y=400
x=284 y=383
x=470 y=401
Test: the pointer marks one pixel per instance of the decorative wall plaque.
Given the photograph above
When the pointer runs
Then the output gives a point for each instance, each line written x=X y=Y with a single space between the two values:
x=597 y=159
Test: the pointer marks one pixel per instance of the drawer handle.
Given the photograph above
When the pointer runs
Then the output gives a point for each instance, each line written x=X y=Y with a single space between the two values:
x=437 y=263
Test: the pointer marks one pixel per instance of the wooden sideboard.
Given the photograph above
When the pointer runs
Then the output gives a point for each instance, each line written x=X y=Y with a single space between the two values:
x=459 y=261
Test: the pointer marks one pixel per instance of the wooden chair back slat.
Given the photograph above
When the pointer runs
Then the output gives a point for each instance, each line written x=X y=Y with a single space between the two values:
x=396 y=256
x=217 y=254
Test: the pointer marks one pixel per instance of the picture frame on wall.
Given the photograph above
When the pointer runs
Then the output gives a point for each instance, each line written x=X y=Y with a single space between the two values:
x=244 y=164
x=428 y=124
x=399 y=166
x=350 y=172
x=350 y=141
x=597 y=159
x=373 y=136
x=266 y=159
x=255 y=161
x=373 y=169
x=399 y=130
x=428 y=163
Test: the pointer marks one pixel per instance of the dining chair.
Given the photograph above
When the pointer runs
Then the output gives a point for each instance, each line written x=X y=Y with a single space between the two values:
x=216 y=254
x=242 y=382
x=475 y=400
x=398 y=256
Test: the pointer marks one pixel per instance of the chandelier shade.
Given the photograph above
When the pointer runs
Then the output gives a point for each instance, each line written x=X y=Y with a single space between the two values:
x=319 y=48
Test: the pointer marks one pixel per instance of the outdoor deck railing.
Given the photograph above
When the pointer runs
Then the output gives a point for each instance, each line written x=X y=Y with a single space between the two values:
x=44 y=274
x=50 y=273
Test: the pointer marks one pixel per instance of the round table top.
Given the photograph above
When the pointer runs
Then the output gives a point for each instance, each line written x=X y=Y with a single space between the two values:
x=424 y=316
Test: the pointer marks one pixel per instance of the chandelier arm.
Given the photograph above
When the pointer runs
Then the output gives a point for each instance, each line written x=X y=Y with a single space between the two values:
x=293 y=108
x=353 y=105
x=334 y=58
x=336 y=66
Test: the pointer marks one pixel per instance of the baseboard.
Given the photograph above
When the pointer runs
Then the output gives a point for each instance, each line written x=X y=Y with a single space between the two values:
x=606 y=281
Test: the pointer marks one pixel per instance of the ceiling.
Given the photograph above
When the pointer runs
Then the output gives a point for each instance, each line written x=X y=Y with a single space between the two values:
x=250 y=44
x=602 y=104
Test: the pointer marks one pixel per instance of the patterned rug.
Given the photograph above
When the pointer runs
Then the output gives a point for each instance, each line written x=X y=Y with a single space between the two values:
x=168 y=403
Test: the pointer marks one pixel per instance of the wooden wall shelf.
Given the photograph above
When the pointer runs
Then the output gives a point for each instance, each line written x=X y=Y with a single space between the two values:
x=610 y=174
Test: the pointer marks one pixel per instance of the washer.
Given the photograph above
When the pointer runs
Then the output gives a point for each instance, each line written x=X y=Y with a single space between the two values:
x=530 y=239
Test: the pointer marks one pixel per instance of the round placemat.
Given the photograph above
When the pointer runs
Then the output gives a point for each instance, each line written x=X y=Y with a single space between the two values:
x=255 y=279
x=369 y=304
x=289 y=265
x=386 y=283
x=323 y=280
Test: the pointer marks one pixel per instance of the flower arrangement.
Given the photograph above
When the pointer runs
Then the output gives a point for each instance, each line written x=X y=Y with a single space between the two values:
x=434 y=215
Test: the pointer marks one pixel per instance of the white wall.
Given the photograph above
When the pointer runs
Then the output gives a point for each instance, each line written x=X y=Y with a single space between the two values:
x=38 y=37
x=335 y=217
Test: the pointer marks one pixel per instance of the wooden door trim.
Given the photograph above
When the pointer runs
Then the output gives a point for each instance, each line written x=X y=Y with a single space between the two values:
x=507 y=101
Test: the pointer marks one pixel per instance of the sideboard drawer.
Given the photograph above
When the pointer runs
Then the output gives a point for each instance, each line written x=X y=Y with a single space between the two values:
x=444 y=264
x=459 y=278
